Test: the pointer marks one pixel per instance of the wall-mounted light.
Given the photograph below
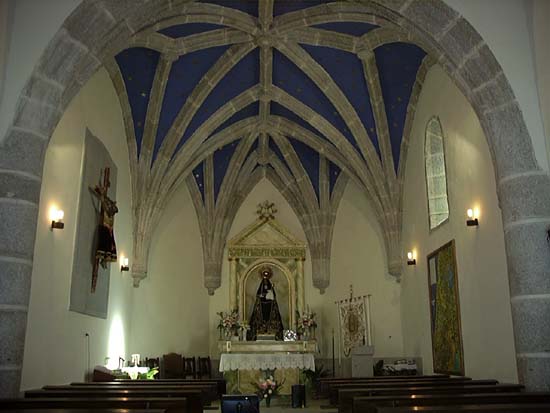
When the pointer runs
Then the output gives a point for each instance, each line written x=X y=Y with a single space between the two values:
x=411 y=258
x=473 y=217
x=124 y=264
x=56 y=215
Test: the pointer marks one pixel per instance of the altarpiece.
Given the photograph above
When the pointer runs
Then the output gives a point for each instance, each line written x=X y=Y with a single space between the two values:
x=266 y=246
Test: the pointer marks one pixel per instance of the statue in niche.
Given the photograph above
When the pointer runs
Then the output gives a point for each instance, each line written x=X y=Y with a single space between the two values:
x=265 y=319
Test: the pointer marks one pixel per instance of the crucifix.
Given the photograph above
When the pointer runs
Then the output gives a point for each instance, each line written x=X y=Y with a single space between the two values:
x=105 y=248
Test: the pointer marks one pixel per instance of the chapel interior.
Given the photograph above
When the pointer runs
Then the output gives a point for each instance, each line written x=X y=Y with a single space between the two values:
x=227 y=180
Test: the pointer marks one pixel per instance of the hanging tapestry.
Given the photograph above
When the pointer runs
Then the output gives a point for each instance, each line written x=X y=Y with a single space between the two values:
x=353 y=323
x=448 y=355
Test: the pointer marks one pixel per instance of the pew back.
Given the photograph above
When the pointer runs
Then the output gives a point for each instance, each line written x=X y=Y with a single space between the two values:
x=370 y=404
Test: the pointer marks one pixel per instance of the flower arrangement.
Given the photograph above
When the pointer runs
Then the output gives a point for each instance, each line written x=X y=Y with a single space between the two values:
x=229 y=322
x=267 y=388
x=306 y=322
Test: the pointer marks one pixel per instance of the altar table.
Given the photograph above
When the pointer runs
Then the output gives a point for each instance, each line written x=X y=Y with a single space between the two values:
x=260 y=361
x=244 y=363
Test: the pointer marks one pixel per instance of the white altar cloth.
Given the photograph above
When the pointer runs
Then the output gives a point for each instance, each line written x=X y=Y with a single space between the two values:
x=248 y=361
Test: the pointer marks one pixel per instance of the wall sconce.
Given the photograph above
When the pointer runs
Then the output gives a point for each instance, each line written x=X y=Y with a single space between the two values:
x=411 y=258
x=473 y=215
x=124 y=264
x=56 y=215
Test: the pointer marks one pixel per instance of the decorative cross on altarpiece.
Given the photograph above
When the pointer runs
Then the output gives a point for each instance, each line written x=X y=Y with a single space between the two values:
x=105 y=251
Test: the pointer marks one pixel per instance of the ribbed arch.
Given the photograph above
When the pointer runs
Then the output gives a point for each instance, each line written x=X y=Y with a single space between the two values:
x=175 y=141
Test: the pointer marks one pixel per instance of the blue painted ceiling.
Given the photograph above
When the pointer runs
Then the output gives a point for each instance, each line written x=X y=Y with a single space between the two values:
x=397 y=63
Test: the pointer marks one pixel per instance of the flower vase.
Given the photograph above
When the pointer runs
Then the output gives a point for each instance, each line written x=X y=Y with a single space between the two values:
x=268 y=401
x=228 y=334
x=305 y=335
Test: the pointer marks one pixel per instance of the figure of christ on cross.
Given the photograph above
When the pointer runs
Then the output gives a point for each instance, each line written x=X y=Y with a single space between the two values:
x=105 y=247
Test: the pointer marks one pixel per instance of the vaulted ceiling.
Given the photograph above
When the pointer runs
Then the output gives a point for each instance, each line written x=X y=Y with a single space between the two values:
x=303 y=92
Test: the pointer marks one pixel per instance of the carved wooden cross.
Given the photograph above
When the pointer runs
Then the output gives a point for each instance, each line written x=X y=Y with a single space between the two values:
x=101 y=192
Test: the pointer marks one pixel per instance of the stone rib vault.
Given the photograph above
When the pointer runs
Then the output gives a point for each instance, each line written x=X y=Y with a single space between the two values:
x=308 y=98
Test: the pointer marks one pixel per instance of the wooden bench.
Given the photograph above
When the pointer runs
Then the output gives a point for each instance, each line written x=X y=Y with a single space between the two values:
x=169 y=405
x=220 y=383
x=459 y=389
x=209 y=392
x=489 y=408
x=55 y=410
x=325 y=382
x=194 y=398
x=334 y=393
x=368 y=404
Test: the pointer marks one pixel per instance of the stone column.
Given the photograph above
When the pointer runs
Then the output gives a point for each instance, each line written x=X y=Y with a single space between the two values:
x=21 y=161
x=525 y=202
x=300 y=285
x=233 y=262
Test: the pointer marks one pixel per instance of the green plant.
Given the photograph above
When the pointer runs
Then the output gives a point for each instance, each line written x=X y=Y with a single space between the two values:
x=150 y=375
x=310 y=378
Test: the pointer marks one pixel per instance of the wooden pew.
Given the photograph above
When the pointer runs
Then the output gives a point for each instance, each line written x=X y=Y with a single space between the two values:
x=325 y=382
x=368 y=404
x=169 y=405
x=334 y=390
x=55 y=410
x=458 y=389
x=195 y=402
x=220 y=383
x=488 y=408
x=209 y=392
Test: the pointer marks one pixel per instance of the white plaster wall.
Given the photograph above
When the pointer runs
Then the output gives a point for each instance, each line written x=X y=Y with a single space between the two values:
x=6 y=20
x=541 y=34
x=171 y=304
x=357 y=258
x=482 y=272
x=55 y=346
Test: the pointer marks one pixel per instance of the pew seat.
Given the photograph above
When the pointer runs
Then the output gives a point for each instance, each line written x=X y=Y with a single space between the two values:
x=370 y=404
x=489 y=408
x=169 y=405
x=334 y=392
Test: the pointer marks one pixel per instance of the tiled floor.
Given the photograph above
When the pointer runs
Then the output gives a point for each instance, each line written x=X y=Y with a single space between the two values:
x=279 y=405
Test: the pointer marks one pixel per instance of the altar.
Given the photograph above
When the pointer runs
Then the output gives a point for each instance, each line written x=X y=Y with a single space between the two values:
x=243 y=363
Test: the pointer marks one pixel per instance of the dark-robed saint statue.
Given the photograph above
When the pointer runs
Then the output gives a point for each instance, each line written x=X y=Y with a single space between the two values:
x=265 y=318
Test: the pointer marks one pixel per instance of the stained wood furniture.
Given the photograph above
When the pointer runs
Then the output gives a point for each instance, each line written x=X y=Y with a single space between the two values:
x=194 y=398
x=500 y=408
x=172 y=366
x=350 y=389
x=369 y=404
x=209 y=391
x=170 y=405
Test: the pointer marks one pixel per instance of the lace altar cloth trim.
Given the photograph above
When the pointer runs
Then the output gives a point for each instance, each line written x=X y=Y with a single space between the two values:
x=236 y=361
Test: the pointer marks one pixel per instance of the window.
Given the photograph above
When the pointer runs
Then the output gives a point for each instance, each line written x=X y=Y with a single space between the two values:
x=436 y=178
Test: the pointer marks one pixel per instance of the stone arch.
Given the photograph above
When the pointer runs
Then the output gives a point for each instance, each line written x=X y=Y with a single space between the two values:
x=97 y=27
